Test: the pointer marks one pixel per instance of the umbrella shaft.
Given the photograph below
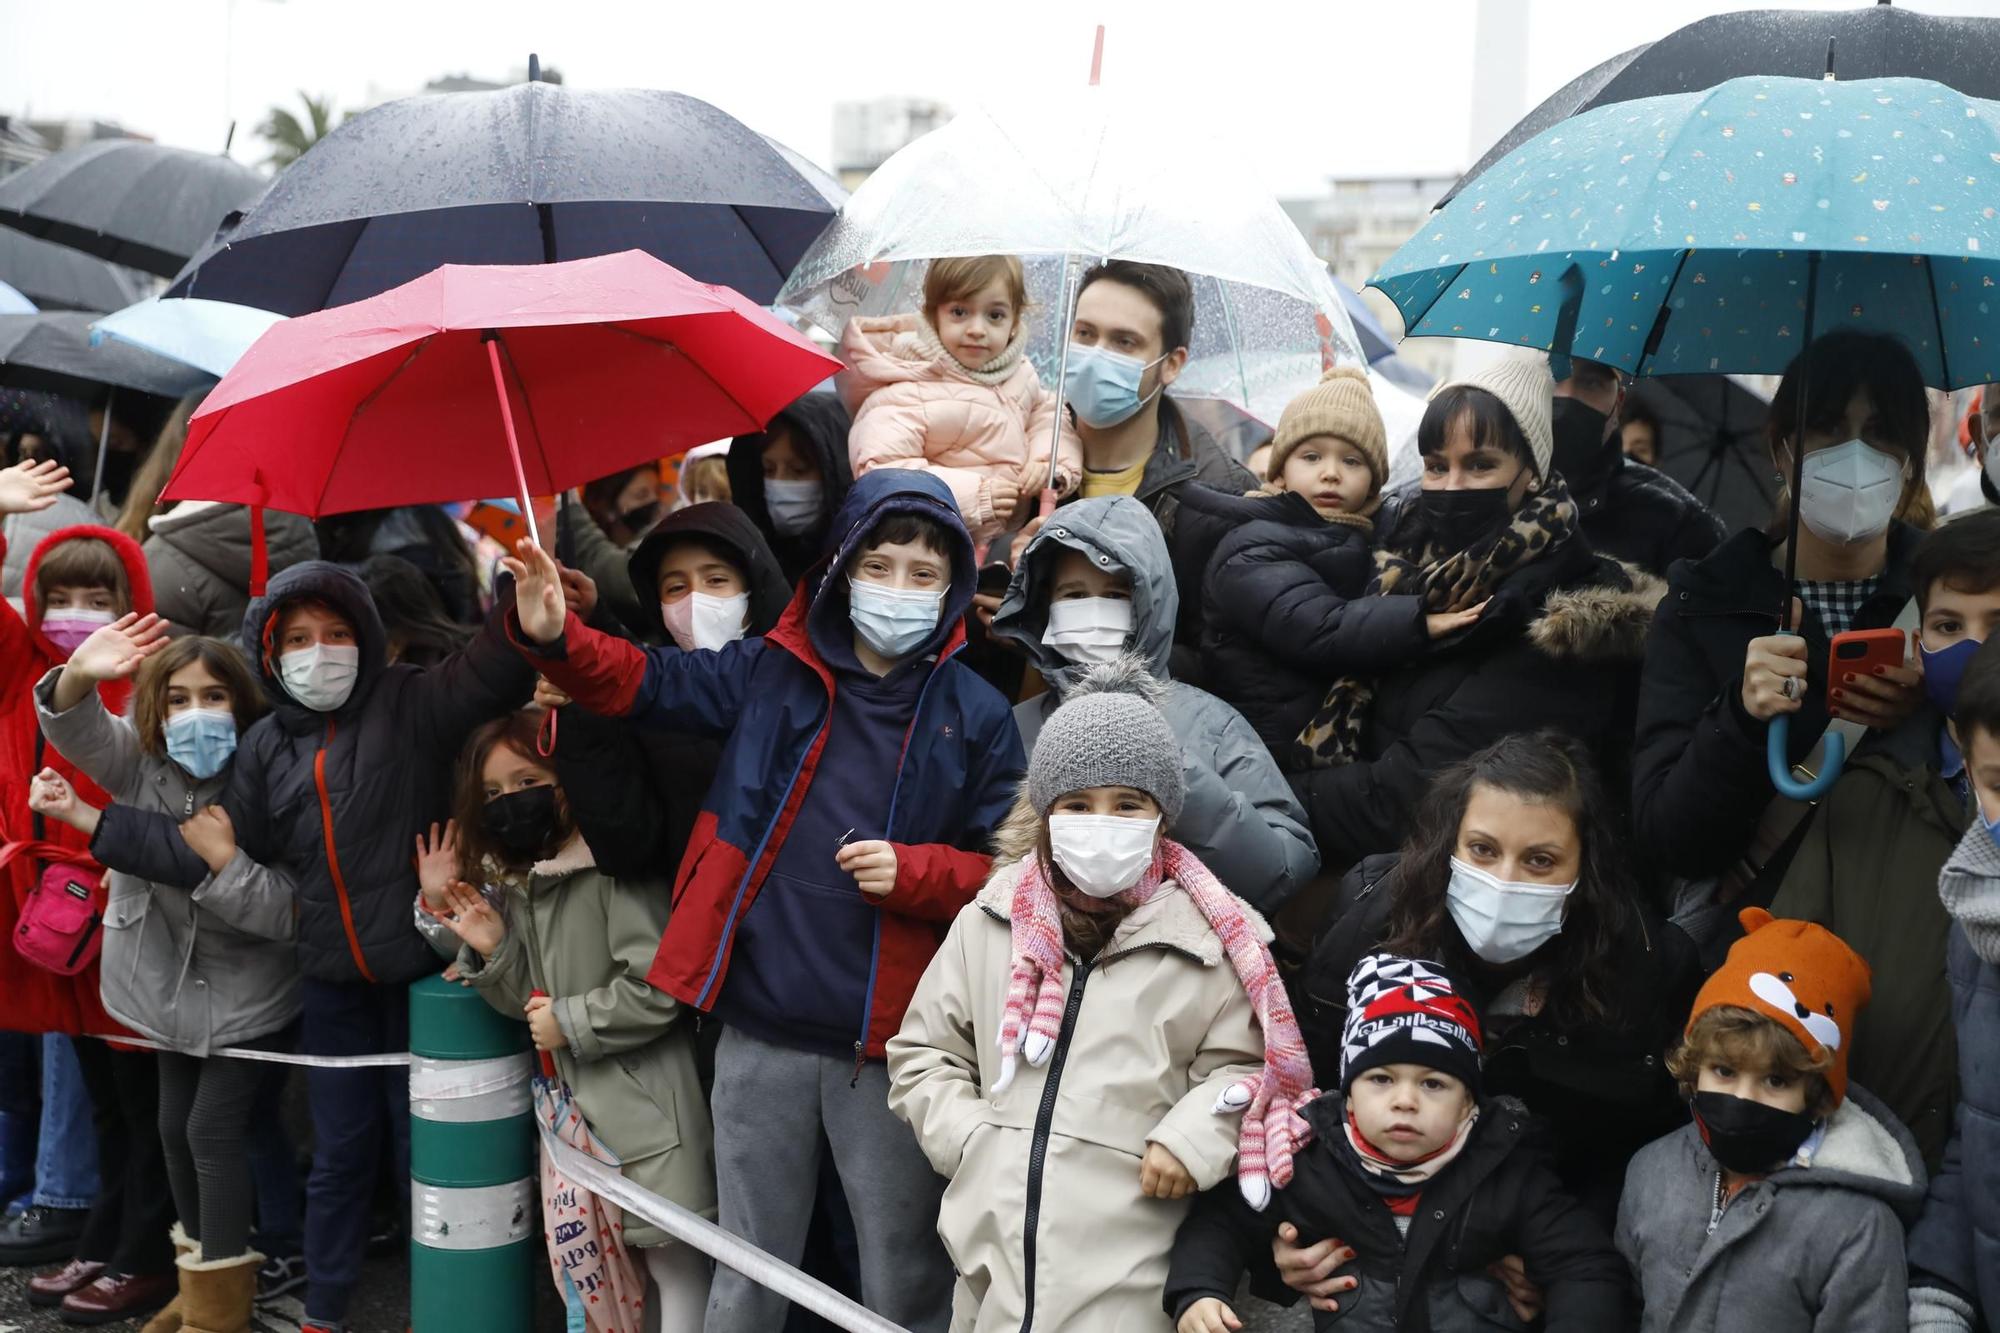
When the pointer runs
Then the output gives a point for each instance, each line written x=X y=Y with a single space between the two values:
x=1062 y=369
x=103 y=448
x=513 y=444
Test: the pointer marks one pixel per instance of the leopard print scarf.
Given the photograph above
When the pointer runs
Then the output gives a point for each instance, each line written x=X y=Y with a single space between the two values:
x=1447 y=581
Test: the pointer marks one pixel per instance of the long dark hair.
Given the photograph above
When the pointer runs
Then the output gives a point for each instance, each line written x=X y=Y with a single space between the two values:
x=1545 y=767
x=412 y=610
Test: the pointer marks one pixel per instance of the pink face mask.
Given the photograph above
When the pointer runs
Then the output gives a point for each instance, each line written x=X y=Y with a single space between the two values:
x=68 y=629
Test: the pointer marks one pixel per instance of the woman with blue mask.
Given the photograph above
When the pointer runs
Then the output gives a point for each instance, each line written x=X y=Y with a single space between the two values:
x=1513 y=879
x=192 y=971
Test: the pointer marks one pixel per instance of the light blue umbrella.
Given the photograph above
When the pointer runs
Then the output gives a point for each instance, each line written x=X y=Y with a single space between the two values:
x=13 y=303
x=212 y=335
x=1708 y=232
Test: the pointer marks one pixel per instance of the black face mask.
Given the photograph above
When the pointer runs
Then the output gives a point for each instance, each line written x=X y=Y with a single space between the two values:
x=640 y=517
x=1458 y=519
x=1748 y=1137
x=1581 y=449
x=524 y=822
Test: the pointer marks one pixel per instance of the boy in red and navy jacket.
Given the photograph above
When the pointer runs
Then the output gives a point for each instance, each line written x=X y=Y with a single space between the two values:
x=864 y=771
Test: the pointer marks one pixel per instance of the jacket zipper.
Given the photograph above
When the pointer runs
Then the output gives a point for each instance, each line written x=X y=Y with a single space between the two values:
x=888 y=832
x=333 y=857
x=1038 y=1150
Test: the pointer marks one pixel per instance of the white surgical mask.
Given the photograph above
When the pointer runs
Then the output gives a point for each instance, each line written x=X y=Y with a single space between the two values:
x=895 y=622
x=701 y=621
x=1848 y=493
x=1102 y=855
x=795 y=506
x=1504 y=922
x=320 y=677
x=1089 y=629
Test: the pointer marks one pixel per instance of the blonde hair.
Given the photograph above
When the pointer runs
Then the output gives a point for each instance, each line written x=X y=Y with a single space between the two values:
x=710 y=475
x=1745 y=1039
x=957 y=279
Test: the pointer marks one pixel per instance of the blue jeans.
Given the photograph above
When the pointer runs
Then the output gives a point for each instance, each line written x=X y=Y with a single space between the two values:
x=20 y=1115
x=66 y=1163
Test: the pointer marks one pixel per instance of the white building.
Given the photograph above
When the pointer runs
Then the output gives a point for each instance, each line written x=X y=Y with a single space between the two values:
x=866 y=134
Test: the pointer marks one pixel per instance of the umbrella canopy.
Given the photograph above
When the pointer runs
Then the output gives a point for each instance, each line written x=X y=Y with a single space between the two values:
x=1712 y=441
x=209 y=335
x=1879 y=42
x=13 y=303
x=130 y=201
x=1088 y=176
x=1714 y=231
x=57 y=278
x=607 y=362
x=53 y=351
x=602 y=1287
x=526 y=175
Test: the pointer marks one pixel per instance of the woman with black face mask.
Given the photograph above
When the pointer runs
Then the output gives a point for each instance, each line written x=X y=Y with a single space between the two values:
x=569 y=954
x=1557 y=645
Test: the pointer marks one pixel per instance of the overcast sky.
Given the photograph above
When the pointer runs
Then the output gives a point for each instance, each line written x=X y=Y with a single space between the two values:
x=1304 y=89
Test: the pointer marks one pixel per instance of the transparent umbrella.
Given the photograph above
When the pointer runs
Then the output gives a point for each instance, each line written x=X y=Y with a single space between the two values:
x=1071 y=180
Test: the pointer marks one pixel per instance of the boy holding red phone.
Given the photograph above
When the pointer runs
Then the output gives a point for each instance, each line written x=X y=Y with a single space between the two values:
x=1867 y=867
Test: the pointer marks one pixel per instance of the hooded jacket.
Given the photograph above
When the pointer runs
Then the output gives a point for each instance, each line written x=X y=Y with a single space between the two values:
x=585 y=940
x=1700 y=780
x=191 y=971
x=817 y=423
x=201 y=553
x=1240 y=818
x=1499 y=1197
x=1288 y=611
x=1559 y=645
x=915 y=406
x=1806 y=1248
x=634 y=792
x=1043 y=1218
x=1867 y=870
x=39 y=1001
x=1955 y=1246
x=827 y=968
x=335 y=800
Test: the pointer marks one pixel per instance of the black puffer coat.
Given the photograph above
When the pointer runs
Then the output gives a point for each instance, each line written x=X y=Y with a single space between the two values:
x=1640 y=515
x=1603 y=1087
x=1558 y=646
x=1499 y=1197
x=818 y=426
x=1700 y=783
x=1287 y=614
x=336 y=799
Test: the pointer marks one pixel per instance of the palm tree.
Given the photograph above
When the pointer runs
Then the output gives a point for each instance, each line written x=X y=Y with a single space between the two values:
x=288 y=136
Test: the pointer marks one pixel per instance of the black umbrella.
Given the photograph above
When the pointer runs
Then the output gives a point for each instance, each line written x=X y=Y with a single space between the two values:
x=1879 y=42
x=1711 y=440
x=52 y=351
x=132 y=202
x=57 y=278
x=529 y=174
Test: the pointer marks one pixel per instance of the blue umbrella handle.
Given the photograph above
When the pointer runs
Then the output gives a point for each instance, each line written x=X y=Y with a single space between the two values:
x=1776 y=750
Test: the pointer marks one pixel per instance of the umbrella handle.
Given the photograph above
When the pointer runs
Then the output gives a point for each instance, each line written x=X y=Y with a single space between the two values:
x=547 y=1059
x=1777 y=748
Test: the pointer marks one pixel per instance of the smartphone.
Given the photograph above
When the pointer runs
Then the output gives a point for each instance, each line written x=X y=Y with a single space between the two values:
x=1857 y=652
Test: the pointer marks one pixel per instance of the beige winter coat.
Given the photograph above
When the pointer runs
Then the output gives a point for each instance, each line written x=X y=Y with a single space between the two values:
x=1156 y=1028
x=914 y=406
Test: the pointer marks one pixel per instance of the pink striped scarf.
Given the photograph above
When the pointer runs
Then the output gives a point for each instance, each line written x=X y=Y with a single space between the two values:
x=1272 y=1128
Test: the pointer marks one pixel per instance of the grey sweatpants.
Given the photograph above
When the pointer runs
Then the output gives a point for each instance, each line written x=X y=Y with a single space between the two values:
x=770 y=1104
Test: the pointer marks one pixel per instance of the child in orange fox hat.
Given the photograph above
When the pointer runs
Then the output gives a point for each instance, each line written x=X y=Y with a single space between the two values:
x=1782 y=1206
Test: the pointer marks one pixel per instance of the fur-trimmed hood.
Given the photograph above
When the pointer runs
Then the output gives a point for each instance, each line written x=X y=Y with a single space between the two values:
x=1602 y=621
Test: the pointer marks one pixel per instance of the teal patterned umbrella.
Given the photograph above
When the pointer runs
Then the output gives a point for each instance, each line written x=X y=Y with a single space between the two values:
x=1716 y=231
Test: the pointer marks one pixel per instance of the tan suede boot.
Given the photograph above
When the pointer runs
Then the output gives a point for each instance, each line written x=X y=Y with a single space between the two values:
x=217 y=1294
x=169 y=1319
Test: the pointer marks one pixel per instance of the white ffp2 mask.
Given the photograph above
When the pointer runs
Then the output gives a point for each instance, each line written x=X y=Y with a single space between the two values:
x=699 y=620
x=1848 y=493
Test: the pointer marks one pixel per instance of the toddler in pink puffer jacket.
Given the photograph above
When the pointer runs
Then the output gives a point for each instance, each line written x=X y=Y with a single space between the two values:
x=949 y=392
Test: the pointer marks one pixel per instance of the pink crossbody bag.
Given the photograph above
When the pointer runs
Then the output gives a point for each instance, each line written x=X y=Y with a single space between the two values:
x=61 y=927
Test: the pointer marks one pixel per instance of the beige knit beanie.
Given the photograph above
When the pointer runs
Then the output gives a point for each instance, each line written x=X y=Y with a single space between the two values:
x=1341 y=404
x=1523 y=384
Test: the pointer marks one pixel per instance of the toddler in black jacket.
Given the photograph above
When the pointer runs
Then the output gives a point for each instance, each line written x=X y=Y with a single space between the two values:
x=1425 y=1182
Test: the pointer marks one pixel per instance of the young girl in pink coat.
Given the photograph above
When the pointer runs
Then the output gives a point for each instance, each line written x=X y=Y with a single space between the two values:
x=949 y=391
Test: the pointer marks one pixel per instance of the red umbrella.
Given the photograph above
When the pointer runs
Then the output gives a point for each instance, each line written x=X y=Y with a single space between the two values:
x=581 y=368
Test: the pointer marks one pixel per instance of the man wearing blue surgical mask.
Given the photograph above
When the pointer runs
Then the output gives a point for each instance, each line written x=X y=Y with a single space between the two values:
x=1868 y=866
x=1128 y=343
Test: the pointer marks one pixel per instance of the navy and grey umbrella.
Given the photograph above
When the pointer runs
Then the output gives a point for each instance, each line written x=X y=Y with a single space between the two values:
x=57 y=278
x=52 y=351
x=1879 y=42
x=529 y=174
x=130 y=201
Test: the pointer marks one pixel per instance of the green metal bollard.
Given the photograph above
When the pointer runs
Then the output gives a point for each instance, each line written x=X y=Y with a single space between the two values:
x=475 y=1196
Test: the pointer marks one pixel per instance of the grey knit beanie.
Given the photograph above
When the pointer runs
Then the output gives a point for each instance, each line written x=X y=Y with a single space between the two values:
x=1109 y=732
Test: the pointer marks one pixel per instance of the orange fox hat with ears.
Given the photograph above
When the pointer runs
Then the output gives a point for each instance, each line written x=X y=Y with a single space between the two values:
x=1800 y=975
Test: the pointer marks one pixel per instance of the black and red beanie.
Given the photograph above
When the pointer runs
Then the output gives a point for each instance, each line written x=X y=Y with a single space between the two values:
x=1406 y=1011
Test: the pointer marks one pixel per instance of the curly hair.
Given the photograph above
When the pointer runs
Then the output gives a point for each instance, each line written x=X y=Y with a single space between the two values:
x=1746 y=1039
